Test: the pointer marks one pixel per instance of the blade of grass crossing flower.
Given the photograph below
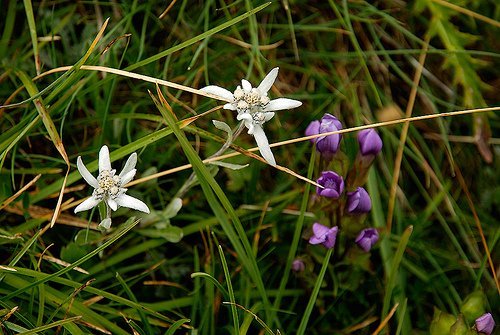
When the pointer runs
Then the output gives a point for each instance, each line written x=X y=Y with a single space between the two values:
x=127 y=226
x=314 y=295
x=230 y=291
x=132 y=297
x=176 y=325
x=196 y=38
x=393 y=274
x=28 y=7
x=218 y=202
x=295 y=239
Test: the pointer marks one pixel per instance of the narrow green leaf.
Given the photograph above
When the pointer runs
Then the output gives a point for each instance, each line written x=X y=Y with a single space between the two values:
x=176 y=325
x=392 y=275
x=314 y=294
x=227 y=275
x=196 y=38
x=127 y=226
x=51 y=325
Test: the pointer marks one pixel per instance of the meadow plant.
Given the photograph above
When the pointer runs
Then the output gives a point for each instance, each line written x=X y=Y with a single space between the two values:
x=255 y=108
x=109 y=187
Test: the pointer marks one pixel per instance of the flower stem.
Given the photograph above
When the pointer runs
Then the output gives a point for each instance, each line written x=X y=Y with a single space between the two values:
x=305 y=318
x=190 y=181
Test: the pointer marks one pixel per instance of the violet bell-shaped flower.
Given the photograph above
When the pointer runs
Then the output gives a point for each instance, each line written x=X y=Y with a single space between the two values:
x=328 y=144
x=367 y=238
x=358 y=202
x=108 y=186
x=333 y=185
x=485 y=324
x=255 y=108
x=324 y=235
x=369 y=142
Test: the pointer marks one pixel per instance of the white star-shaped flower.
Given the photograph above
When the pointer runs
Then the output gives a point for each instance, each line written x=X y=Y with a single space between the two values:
x=255 y=108
x=108 y=186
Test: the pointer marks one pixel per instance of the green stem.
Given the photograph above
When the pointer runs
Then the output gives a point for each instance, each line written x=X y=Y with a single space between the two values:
x=314 y=294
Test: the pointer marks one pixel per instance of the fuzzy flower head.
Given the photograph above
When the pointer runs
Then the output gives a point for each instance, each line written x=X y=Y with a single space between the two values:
x=369 y=142
x=333 y=185
x=108 y=186
x=485 y=324
x=324 y=235
x=328 y=145
x=358 y=202
x=255 y=108
x=367 y=238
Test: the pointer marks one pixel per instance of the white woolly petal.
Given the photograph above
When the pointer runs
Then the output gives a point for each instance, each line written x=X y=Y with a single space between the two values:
x=128 y=177
x=268 y=116
x=87 y=204
x=281 y=103
x=263 y=144
x=244 y=116
x=247 y=120
x=245 y=84
x=112 y=204
x=251 y=127
x=268 y=81
x=230 y=107
x=129 y=165
x=106 y=223
x=218 y=91
x=104 y=162
x=89 y=178
x=131 y=202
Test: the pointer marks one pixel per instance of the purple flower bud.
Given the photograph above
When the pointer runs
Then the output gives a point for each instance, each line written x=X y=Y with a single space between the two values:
x=485 y=324
x=324 y=235
x=333 y=185
x=367 y=238
x=358 y=202
x=370 y=142
x=325 y=144
x=298 y=265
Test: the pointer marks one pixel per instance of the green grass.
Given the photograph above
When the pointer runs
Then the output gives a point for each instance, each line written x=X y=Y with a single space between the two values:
x=238 y=231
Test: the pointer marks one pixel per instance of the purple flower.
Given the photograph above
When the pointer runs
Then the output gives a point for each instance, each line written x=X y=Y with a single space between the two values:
x=370 y=142
x=325 y=144
x=298 y=265
x=333 y=185
x=485 y=324
x=358 y=202
x=367 y=238
x=324 y=235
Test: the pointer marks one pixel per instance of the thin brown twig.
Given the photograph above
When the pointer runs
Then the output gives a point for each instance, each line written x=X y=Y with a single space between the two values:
x=478 y=224
x=468 y=12
x=404 y=134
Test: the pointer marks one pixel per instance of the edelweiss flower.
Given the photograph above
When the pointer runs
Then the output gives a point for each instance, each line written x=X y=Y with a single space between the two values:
x=108 y=186
x=255 y=108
